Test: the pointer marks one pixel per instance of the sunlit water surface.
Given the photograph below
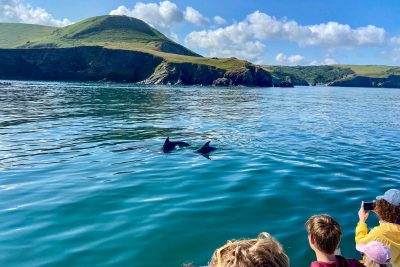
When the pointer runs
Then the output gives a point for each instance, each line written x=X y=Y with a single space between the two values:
x=68 y=200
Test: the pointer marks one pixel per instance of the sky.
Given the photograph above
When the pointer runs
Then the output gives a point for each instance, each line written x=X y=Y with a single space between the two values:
x=271 y=32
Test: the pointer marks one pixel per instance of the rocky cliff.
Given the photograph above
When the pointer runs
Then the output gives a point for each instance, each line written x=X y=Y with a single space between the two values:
x=91 y=63
x=392 y=81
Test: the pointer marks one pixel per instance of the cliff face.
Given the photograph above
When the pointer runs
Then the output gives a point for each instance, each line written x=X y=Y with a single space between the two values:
x=184 y=73
x=392 y=81
x=192 y=74
x=308 y=75
x=76 y=64
x=249 y=75
x=101 y=64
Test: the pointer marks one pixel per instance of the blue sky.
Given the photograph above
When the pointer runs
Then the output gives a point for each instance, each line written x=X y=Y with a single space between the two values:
x=283 y=32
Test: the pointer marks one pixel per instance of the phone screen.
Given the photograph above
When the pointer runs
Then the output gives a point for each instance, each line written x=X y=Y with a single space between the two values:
x=368 y=206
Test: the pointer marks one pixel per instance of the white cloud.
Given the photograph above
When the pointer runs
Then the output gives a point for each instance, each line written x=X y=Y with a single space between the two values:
x=281 y=58
x=219 y=20
x=231 y=41
x=329 y=61
x=259 y=27
x=296 y=59
x=251 y=51
x=326 y=61
x=292 y=60
x=195 y=17
x=393 y=54
x=395 y=40
x=331 y=34
x=174 y=37
x=18 y=11
x=163 y=15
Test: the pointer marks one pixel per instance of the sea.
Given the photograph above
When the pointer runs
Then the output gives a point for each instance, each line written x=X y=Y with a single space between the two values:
x=83 y=180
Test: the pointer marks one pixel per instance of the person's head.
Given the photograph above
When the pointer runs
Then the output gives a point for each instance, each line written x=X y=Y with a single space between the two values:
x=324 y=233
x=259 y=252
x=387 y=207
x=375 y=254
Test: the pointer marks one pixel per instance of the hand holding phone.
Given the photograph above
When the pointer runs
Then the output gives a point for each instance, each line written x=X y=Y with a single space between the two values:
x=368 y=206
x=362 y=213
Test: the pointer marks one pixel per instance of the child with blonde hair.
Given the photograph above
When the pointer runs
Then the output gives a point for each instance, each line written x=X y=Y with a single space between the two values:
x=375 y=254
x=264 y=251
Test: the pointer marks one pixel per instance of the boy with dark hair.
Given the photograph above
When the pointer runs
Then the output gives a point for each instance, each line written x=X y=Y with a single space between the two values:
x=324 y=236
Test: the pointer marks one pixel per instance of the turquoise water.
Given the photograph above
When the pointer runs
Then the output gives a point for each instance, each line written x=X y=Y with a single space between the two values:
x=68 y=200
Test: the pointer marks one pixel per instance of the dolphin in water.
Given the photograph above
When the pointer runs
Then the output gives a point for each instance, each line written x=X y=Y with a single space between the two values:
x=169 y=145
x=206 y=149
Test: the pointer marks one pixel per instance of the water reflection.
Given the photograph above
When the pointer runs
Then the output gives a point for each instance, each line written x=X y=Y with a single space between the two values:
x=81 y=165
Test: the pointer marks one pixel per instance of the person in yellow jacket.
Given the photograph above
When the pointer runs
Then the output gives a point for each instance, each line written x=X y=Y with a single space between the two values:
x=387 y=208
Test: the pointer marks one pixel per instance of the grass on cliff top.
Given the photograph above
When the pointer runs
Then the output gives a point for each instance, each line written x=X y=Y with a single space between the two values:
x=15 y=34
x=373 y=71
x=311 y=74
x=329 y=73
x=221 y=63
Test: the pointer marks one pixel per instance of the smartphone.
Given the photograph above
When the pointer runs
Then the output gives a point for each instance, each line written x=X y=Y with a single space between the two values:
x=369 y=206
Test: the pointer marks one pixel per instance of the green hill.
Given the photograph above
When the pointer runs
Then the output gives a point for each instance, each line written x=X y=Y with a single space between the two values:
x=113 y=32
x=309 y=75
x=338 y=75
x=372 y=71
x=118 y=32
x=16 y=34
x=115 y=48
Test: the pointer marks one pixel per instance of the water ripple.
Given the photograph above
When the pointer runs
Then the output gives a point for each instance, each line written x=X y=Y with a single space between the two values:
x=76 y=198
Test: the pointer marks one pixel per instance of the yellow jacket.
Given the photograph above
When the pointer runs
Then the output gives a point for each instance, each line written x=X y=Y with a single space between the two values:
x=387 y=233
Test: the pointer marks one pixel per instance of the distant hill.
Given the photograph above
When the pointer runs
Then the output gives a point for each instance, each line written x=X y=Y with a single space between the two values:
x=373 y=71
x=13 y=35
x=338 y=75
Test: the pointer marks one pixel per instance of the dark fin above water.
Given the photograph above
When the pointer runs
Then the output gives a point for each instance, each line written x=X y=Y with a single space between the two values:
x=206 y=148
x=170 y=145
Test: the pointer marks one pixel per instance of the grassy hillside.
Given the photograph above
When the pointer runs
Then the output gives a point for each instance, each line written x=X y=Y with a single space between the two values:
x=373 y=71
x=119 y=48
x=15 y=34
x=114 y=32
x=303 y=75
x=339 y=75
x=119 y=32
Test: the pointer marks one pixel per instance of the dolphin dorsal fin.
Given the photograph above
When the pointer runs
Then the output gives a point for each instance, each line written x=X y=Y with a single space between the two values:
x=207 y=144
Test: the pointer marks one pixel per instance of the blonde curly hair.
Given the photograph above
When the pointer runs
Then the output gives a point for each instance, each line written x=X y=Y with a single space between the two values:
x=260 y=252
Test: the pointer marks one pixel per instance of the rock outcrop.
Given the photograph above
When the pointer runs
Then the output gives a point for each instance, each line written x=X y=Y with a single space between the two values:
x=249 y=75
x=284 y=84
x=197 y=74
x=184 y=73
